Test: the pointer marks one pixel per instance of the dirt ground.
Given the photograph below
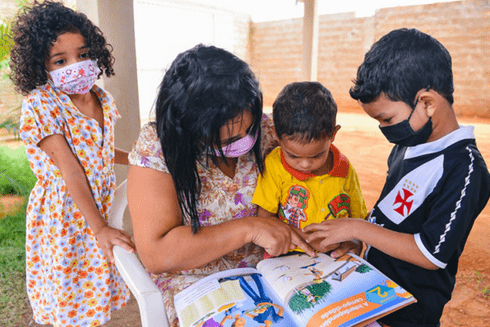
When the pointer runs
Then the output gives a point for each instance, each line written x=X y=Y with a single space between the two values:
x=362 y=142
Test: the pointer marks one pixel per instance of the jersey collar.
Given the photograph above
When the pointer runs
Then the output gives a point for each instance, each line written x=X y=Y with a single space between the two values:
x=462 y=133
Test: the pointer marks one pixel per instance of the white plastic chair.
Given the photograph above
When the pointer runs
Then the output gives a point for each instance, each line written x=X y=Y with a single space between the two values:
x=147 y=294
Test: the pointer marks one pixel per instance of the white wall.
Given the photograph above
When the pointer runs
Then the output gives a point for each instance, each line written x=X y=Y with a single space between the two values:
x=165 y=28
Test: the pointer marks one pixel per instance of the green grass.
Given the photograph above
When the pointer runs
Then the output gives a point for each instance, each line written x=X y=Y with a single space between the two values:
x=15 y=178
x=484 y=289
x=13 y=297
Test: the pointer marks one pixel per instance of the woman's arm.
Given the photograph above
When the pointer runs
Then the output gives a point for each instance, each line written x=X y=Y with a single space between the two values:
x=165 y=244
x=121 y=156
x=398 y=245
x=78 y=186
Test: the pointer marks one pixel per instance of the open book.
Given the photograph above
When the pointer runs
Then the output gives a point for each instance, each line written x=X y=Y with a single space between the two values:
x=292 y=290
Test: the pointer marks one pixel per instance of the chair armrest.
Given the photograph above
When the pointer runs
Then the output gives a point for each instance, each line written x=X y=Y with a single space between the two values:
x=147 y=294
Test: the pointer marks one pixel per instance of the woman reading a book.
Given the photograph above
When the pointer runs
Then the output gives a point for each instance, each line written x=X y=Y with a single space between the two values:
x=194 y=170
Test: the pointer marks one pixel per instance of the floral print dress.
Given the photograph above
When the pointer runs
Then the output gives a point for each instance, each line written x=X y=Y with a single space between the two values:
x=69 y=281
x=222 y=198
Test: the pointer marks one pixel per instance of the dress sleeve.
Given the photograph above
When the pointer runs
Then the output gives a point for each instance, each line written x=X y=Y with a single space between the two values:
x=40 y=117
x=107 y=101
x=353 y=189
x=147 y=151
x=269 y=138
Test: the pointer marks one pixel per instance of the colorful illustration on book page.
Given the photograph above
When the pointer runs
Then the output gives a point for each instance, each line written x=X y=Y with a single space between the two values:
x=322 y=291
x=241 y=301
x=355 y=308
x=209 y=300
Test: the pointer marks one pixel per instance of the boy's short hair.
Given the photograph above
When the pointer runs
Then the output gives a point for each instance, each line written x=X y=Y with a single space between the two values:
x=304 y=111
x=402 y=63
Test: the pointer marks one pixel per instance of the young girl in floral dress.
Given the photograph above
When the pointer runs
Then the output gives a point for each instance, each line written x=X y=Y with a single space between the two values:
x=67 y=125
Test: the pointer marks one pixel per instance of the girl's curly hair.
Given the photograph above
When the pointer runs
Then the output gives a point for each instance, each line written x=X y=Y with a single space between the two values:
x=37 y=28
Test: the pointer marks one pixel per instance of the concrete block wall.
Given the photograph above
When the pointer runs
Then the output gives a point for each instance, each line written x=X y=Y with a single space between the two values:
x=276 y=55
x=463 y=27
x=340 y=50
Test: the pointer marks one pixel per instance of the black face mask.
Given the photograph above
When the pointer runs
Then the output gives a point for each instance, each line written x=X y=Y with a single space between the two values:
x=403 y=134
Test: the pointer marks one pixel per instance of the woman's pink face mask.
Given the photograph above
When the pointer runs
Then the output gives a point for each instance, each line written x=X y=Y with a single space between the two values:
x=239 y=147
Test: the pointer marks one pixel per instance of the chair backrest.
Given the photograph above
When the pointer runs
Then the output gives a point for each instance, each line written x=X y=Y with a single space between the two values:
x=147 y=294
x=118 y=207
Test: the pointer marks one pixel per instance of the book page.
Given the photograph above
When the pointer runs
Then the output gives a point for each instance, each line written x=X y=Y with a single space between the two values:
x=323 y=292
x=239 y=297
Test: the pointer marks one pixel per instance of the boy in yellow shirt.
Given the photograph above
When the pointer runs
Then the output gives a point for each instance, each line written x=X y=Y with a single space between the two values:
x=307 y=179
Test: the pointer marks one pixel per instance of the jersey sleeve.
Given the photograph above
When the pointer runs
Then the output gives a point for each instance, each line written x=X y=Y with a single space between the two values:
x=462 y=196
x=267 y=193
x=353 y=189
x=40 y=117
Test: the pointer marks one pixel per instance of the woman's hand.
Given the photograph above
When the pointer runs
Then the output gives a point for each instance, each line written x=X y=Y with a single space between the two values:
x=276 y=237
x=108 y=237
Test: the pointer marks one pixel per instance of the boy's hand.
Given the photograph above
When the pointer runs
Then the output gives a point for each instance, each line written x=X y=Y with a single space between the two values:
x=353 y=246
x=108 y=237
x=333 y=232
x=316 y=244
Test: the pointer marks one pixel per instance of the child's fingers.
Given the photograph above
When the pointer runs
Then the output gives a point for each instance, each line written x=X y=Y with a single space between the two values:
x=109 y=255
x=125 y=238
x=314 y=227
x=121 y=231
x=346 y=247
x=319 y=235
x=129 y=242
x=125 y=243
x=125 y=233
x=298 y=241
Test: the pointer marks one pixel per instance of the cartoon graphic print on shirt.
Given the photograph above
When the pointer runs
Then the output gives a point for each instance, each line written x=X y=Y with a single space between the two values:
x=293 y=211
x=411 y=190
x=339 y=207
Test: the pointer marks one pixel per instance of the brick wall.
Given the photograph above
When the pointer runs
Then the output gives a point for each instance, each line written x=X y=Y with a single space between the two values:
x=274 y=49
x=276 y=55
x=463 y=27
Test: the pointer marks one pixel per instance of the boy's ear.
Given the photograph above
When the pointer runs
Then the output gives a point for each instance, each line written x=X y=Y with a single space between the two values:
x=429 y=101
x=335 y=130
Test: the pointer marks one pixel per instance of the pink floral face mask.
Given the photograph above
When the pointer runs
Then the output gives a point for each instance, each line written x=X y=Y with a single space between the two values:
x=77 y=78
x=239 y=147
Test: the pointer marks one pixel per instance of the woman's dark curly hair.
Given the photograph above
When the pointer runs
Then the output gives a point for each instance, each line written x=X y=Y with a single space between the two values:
x=204 y=88
x=37 y=28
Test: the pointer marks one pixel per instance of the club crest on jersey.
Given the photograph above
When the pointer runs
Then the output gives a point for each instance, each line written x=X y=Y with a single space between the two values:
x=408 y=193
x=404 y=199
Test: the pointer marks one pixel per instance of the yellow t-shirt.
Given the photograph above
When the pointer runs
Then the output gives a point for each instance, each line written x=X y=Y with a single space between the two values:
x=302 y=199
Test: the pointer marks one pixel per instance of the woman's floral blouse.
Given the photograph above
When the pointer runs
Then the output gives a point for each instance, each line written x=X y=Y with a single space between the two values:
x=222 y=199
x=69 y=281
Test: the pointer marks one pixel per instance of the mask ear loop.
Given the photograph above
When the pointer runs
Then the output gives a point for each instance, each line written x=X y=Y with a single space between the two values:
x=417 y=101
